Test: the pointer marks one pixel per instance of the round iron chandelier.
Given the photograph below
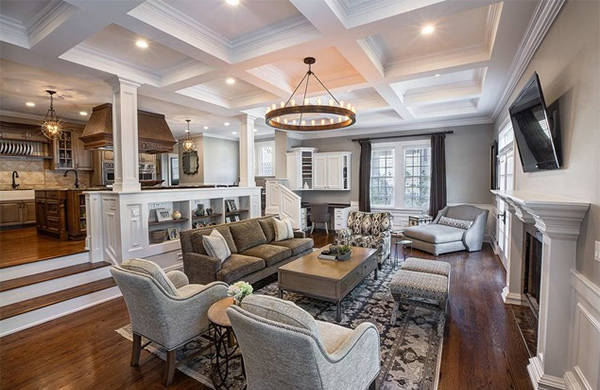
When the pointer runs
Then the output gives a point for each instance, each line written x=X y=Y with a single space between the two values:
x=52 y=126
x=188 y=143
x=308 y=116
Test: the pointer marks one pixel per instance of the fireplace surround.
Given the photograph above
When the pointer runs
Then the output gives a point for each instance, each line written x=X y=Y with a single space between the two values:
x=558 y=220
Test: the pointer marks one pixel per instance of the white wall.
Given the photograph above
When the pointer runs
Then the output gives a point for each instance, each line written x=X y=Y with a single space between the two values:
x=221 y=161
x=568 y=65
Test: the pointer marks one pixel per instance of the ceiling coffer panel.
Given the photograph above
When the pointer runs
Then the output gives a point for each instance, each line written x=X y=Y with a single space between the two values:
x=154 y=135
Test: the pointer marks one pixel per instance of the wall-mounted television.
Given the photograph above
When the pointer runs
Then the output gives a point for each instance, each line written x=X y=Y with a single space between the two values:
x=536 y=128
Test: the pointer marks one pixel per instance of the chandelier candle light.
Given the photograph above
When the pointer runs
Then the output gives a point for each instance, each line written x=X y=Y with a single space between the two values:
x=52 y=126
x=188 y=143
x=308 y=116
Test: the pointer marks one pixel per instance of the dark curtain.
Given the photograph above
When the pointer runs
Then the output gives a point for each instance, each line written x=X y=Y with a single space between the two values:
x=437 y=197
x=364 y=177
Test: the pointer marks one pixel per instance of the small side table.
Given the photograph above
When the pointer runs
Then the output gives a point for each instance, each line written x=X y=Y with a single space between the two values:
x=404 y=244
x=226 y=346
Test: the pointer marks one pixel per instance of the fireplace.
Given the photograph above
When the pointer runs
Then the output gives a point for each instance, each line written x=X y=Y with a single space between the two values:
x=532 y=268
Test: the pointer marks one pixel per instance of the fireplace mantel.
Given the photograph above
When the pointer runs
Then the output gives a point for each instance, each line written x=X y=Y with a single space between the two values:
x=559 y=220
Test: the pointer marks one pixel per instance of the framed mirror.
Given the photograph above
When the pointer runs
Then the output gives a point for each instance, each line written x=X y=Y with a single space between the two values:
x=190 y=162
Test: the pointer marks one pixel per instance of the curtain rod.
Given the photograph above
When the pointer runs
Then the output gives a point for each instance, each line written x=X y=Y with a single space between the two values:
x=402 y=136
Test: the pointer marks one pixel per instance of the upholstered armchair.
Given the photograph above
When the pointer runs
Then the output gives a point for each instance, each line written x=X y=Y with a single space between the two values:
x=455 y=228
x=164 y=307
x=285 y=348
x=368 y=230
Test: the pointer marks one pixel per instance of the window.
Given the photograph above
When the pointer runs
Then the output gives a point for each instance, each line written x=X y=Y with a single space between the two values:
x=382 y=177
x=400 y=175
x=264 y=160
x=417 y=163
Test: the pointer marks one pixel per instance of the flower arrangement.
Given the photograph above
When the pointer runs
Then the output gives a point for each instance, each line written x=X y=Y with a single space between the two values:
x=341 y=252
x=239 y=291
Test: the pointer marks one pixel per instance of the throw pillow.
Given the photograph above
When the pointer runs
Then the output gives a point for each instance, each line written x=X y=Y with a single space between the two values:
x=457 y=223
x=216 y=246
x=283 y=229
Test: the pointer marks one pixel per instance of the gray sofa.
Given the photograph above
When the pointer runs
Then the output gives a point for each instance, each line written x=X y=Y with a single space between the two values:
x=439 y=238
x=254 y=252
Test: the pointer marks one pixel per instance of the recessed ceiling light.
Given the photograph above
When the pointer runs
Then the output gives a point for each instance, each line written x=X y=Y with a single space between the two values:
x=255 y=130
x=429 y=29
x=232 y=2
x=230 y=80
x=349 y=90
x=141 y=43
x=30 y=104
x=82 y=113
x=234 y=132
x=226 y=123
x=205 y=127
x=437 y=75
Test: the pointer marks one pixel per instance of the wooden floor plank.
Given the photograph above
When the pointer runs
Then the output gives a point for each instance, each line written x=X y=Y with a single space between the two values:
x=25 y=245
x=482 y=347
x=53 y=298
x=50 y=275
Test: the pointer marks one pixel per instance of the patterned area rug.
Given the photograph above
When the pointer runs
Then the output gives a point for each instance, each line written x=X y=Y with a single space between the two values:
x=411 y=350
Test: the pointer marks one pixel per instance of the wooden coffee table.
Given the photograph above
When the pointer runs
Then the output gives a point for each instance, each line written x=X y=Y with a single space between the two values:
x=328 y=280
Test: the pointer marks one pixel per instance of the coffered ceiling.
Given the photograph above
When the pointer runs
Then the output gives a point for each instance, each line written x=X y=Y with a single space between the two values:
x=372 y=53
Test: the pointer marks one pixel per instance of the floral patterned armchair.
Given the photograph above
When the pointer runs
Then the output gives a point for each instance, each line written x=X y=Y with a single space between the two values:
x=368 y=230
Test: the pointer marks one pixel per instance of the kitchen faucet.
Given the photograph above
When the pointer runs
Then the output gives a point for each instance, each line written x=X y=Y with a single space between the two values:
x=15 y=175
x=76 y=176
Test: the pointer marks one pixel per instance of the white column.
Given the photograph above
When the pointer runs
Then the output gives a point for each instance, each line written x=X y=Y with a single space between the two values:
x=125 y=135
x=281 y=138
x=246 y=150
x=513 y=292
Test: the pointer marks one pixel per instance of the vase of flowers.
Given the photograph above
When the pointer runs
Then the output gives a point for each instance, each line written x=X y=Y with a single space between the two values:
x=239 y=291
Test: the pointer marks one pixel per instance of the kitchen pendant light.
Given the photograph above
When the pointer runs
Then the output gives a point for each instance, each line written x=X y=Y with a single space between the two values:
x=188 y=143
x=307 y=116
x=52 y=126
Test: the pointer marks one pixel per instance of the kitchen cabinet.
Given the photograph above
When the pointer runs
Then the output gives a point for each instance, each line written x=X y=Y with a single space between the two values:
x=51 y=216
x=17 y=212
x=76 y=217
x=331 y=171
x=69 y=152
x=300 y=168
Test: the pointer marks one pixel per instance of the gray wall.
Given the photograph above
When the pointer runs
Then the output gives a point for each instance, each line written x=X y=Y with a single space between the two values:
x=568 y=66
x=221 y=161
x=467 y=164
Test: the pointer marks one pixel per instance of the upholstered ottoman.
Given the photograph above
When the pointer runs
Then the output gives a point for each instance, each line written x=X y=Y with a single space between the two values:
x=408 y=285
x=426 y=266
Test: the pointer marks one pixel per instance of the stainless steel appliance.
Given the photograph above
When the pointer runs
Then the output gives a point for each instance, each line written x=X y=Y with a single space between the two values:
x=146 y=172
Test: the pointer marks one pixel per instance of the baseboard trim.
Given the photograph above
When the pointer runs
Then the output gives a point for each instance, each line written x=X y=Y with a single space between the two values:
x=513 y=298
x=573 y=383
x=541 y=381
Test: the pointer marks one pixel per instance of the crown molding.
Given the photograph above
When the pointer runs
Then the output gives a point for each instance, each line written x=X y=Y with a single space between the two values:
x=183 y=71
x=14 y=32
x=446 y=108
x=540 y=23
x=272 y=75
x=206 y=95
x=37 y=118
x=89 y=56
x=492 y=23
x=48 y=19
x=219 y=136
x=349 y=132
x=289 y=32
x=373 y=50
x=171 y=21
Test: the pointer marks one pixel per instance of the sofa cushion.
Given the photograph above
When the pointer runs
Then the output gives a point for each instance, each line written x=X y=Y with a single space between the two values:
x=268 y=228
x=216 y=246
x=297 y=245
x=283 y=229
x=332 y=335
x=434 y=233
x=464 y=211
x=271 y=254
x=237 y=266
x=278 y=310
x=247 y=234
x=364 y=241
x=458 y=223
x=153 y=270
x=198 y=246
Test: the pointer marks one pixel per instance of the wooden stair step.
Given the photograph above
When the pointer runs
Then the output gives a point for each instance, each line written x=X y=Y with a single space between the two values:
x=56 y=297
x=50 y=275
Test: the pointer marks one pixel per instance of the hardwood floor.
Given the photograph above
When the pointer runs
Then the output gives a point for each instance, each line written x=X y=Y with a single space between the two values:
x=25 y=245
x=482 y=346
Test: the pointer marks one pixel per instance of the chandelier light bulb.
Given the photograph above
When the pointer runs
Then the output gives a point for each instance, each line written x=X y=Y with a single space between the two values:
x=52 y=125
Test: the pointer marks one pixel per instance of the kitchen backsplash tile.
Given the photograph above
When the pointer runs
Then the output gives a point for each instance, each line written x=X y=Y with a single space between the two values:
x=34 y=174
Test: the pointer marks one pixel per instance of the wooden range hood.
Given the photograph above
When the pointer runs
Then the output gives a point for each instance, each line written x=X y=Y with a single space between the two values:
x=154 y=135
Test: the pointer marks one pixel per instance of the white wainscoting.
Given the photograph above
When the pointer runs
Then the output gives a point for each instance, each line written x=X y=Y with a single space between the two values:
x=583 y=371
